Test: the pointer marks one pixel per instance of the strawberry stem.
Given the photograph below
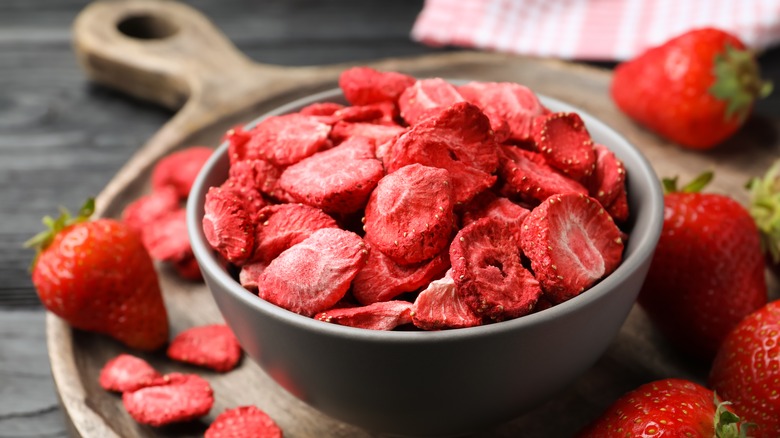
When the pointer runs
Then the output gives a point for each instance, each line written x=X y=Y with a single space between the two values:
x=42 y=240
x=738 y=81
x=765 y=209
x=728 y=424
x=695 y=186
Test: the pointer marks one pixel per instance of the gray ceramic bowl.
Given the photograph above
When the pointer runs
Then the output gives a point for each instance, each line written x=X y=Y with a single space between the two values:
x=443 y=383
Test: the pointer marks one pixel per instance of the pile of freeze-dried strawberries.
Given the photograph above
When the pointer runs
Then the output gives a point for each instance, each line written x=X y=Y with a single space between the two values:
x=422 y=204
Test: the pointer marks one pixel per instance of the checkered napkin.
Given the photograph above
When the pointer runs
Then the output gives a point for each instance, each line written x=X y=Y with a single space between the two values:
x=589 y=29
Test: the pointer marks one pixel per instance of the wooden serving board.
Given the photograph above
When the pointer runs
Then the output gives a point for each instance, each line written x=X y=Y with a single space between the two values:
x=179 y=60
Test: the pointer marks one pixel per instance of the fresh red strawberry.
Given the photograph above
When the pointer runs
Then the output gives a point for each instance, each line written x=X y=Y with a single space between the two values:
x=212 y=346
x=243 y=422
x=97 y=276
x=746 y=370
x=181 y=397
x=179 y=169
x=707 y=272
x=440 y=306
x=667 y=408
x=385 y=315
x=365 y=85
x=128 y=373
x=696 y=89
x=765 y=210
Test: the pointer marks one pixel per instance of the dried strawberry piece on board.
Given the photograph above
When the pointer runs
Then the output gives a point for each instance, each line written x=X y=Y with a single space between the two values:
x=488 y=273
x=313 y=275
x=182 y=397
x=501 y=209
x=211 y=346
x=572 y=243
x=425 y=98
x=228 y=226
x=409 y=215
x=565 y=143
x=179 y=169
x=513 y=103
x=282 y=226
x=382 y=279
x=151 y=207
x=385 y=315
x=527 y=176
x=128 y=373
x=608 y=178
x=338 y=180
x=166 y=238
x=379 y=133
x=286 y=139
x=243 y=422
x=440 y=306
x=365 y=85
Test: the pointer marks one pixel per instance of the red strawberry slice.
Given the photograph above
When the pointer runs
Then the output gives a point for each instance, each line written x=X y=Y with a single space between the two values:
x=166 y=238
x=258 y=175
x=565 y=143
x=282 y=226
x=211 y=346
x=488 y=273
x=409 y=215
x=379 y=133
x=500 y=209
x=608 y=178
x=572 y=243
x=440 y=306
x=286 y=139
x=182 y=397
x=512 y=103
x=313 y=275
x=151 y=207
x=228 y=226
x=425 y=98
x=338 y=180
x=528 y=177
x=128 y=373
x=243 y=422
x=179 y=169
x=365 y=85
x=385 y=315
x=382 y=279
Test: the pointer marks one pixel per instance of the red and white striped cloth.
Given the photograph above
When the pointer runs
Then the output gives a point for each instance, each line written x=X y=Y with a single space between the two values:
x=589 y=29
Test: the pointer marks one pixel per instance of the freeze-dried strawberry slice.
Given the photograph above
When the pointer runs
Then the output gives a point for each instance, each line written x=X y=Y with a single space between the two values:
x=511 y=215
x=338 y=180
x=286 y=139
x=249 y=274
x=151 y=207
x=237 y=139
x=382 y=279
x=527 y=176
x=458 y=139
x=188 y=268
x=282 y=226
x=243 y=422
x=618 y=209
x=128 y=373
x=379 y=133
x=409 y=215
x=425 y=98
x=513 y=103
x=609 y=177
x=439 y=307
x=321 y=109
x=179 y=169
x=488 y=273
x=255 y=174
x=313 y=275
x=211 y=346
x=572 y=243
x=385 y=315
x=565 y=143
x=183 y=397
x=227 y=225
x=166 y=238
x=365 y=85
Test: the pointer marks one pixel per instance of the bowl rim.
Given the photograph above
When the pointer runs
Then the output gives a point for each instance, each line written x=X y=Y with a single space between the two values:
x=643 y=248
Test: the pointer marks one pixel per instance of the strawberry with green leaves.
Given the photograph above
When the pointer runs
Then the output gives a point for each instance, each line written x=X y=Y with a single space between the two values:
x=765 y=209
x=97 y=276
x=707 y=272
x=696 y=89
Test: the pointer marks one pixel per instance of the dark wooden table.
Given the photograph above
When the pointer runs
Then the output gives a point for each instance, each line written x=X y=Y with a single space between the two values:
x=63 y=138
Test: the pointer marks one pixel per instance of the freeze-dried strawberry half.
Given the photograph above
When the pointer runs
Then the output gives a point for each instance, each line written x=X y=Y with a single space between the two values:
x=379 y=133
x=565 y=143
x=365 y=85
x=515 y=104
x=243 y=422
x=179 y=169
x=151 y=207
x=166 y=238
x=385 y=315
x=282 y=226
x=459 y=139
x=228 y=226
x=511 y=215
x=128 y=373
x=609 y=177
x=182 y=397
x=259 y=175
x=382 y=279
x=488 y=273
x=337 y=180
x=211 y=346
x=409 y=216
x=440 y=306
x=286 y=139
x=572 y=243
x=313 y=275
x=527 y=176
x=425 y=98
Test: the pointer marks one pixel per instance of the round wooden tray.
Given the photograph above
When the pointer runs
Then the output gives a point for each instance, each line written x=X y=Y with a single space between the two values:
x=170 y=54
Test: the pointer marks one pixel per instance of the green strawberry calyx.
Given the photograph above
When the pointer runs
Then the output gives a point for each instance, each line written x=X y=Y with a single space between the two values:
x=42 y=240
x=695 y=186
x=738 y=81
x=765 y=209
x=728 y=424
